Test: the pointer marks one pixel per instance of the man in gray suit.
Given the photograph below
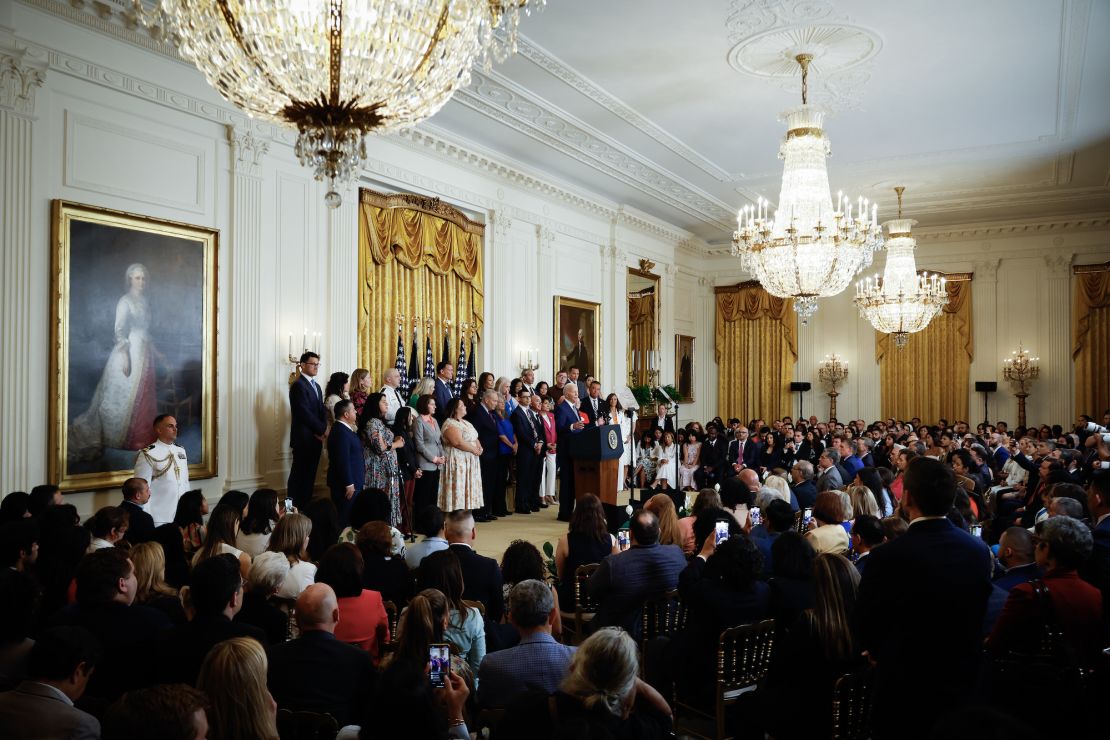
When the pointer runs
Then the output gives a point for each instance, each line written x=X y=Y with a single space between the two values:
x=828 y=474
x=41 y=707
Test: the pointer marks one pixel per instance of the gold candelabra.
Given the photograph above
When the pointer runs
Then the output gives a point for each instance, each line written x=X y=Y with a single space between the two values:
x=832 y=371
x=1021 y=368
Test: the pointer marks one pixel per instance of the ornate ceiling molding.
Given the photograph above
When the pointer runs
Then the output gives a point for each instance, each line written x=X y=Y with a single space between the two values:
x=559 y=69
x=496 y=97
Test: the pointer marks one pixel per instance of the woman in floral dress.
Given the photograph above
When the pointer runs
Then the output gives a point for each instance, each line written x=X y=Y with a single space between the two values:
x=379 y=448
x=460 y=483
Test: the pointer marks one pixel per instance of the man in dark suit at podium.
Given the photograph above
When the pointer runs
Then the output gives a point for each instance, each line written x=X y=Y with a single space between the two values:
x=308 y=428
x=567 y=423
x=346 y=471
x=485 y=423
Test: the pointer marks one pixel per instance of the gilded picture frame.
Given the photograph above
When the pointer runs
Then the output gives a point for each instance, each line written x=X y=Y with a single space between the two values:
x=577 y=336
x=133 y=335
x=684 y=359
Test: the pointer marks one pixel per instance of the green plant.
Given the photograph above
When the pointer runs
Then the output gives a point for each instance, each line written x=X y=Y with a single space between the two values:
x=647 y=395
x=549 y=561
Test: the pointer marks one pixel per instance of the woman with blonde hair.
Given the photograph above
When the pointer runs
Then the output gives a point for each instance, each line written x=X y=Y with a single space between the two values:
x=233 y=677
x=774 y=486
x=601 y=696
x=863 y=501
x=663 y=507
x=360 y=388
x=425 y=387
x=290 y=538
x=151 y=588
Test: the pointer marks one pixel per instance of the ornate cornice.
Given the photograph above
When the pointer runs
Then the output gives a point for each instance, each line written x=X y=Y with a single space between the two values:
x=426 y=204
x=976 y=231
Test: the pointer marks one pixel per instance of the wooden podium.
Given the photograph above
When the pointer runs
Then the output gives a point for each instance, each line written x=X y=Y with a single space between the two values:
x=597 y=467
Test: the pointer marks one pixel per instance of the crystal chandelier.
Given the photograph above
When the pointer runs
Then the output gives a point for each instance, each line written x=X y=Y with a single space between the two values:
x=902 y=302
x=338 y=69
x=806 y=249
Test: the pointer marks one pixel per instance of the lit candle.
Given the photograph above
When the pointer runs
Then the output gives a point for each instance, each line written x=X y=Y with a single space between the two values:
x=290 y=344
x=304 y=339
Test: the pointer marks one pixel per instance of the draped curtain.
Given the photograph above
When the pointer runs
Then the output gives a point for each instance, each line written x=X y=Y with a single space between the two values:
x=418 y=257
x=1091 y=339
x=641 y=331
x=756 y=348
x=928 y=377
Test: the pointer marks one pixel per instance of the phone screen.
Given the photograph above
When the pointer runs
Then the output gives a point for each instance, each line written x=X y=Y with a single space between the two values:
x=720 y=532
x=976 y=530
x=623 y=541
x=439 y=658
x=288 y=505
x=756 y=516
x=807 y=516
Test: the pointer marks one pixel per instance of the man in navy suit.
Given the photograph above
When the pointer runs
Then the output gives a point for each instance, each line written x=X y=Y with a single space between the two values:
x=308 y=428
x=346 y=472
x=484 y=420
x=1097 y=568
x=742 y=453
x=592 y=405
x=1015 y=552
x=529 y=453
x=919 y=614
x=444 y=391
x=567 y=423
x=140 y=527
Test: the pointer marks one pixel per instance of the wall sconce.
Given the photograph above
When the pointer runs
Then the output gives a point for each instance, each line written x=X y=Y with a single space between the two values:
x=528 y=358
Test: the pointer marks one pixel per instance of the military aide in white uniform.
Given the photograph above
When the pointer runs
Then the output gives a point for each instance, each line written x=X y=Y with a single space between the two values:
x=164 y=466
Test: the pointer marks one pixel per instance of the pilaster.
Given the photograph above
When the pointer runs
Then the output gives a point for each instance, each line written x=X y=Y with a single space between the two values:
x=244 y=463
x=20 y=77
x=342 y=281
x=545 y=240
x=497 y=335
x=986 y=362
x=1055 y=386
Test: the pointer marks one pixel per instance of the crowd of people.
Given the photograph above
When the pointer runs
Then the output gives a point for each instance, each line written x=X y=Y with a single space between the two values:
x=964 y=571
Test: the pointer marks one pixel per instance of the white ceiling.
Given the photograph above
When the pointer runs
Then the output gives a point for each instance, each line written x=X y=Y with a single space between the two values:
x=991 y=110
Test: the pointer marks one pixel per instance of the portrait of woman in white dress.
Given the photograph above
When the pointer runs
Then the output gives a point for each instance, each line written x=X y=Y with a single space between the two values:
x=125 y=402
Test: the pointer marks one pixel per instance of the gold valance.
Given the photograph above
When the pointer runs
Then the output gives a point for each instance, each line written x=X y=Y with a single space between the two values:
x=418 y=257
x=1091 y=338
x=929 y=377
x=756 y=346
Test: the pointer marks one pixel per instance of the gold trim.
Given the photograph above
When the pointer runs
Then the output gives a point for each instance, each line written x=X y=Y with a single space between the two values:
x=556 y=361
x=644 y=271
x=804 y=131
x=718 y=289
x=1084 y=269
x=424 y=204
x=63 y=214
x=678 y=364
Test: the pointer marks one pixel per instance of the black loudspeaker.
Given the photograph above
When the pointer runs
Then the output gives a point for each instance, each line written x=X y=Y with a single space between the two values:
x=986 y=386
x=797 y=387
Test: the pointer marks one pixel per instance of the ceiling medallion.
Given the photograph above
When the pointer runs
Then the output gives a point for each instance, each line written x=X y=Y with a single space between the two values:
x=807 y=249
x=901 y=302
x=338 y=69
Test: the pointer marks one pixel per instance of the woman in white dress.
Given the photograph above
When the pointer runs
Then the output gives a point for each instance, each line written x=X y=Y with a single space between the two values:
x=124 y=404
x=290 y=538
x=627 y=424
x=666 y=475
x=691 y=462
x=460 y=482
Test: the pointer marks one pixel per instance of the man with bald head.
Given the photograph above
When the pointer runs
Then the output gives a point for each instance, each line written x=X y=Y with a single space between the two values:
x=1015 y=552
x=392 y=379
x=316 y=672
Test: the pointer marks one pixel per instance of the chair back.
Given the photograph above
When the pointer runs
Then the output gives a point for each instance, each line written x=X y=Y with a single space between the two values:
x=306 y=725
x=799 y=524
x=393 y=616
x=966 y=483
x=662 y=617
x=477 y=605
x=744 y=655
x=852 y=702
x=583 y=602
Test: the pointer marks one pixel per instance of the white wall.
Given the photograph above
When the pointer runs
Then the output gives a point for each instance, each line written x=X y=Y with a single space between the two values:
x=117 y=125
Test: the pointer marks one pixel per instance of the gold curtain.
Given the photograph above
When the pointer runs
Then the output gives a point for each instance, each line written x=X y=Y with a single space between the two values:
x=1091 y=339
x=756 y=348
x=418 y=257
x=928 y=377
x=641 y=331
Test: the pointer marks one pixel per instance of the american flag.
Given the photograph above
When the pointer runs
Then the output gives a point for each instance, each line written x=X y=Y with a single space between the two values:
x=414 y=371
x=429 y=361
x=470 y=368
x=460 y=369
x=402 y=366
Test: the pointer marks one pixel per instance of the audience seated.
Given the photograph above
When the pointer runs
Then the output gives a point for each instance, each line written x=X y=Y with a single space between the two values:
x=182 y=537
x=162 y=712
x=362 y=618
x=670 y=533
x=151 y=588
x=792 y=589
x=126 y=632
x=258 y=525
x=803 y=488
x=429 y=522
x=601 y=697
x=465 y=627
x=624 y=581
x=537 y=662
x=19 y=593
x=406 y=705
x=1015 y=554
x=268 y=573
x=216 y=595
x=382 y=571
x=219 y=539
x=1062 y=544
x=233 y=677
x=806 y=663
x=867 y=534
x=825 y=531
x=481 y=576
x=58 y=671
x=522 y=561
x=140 y=527
x=921 y=603
x=587 y=541
x=107 y=527
x=777 y=517
x=707 y=498
x=291 y=539
x=316 y=672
